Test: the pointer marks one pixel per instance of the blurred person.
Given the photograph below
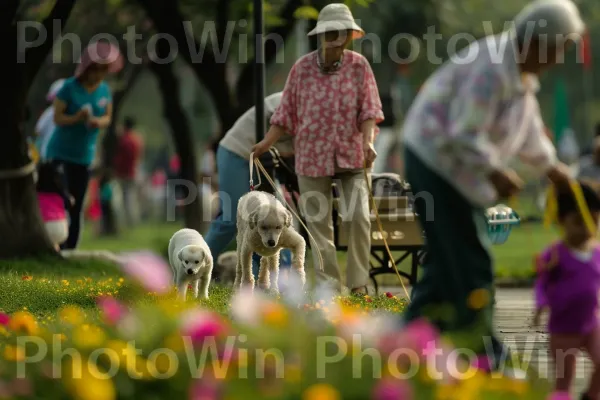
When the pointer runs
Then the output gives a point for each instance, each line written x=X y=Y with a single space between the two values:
x=82 y=107
x=331 y=106
x=127 y=164
x=44 y=128
x=567 y=286
x=589 y=166
x=52 y=196
x=106 y=188
x=469 y=122
x=233 y=155
x=158 y=192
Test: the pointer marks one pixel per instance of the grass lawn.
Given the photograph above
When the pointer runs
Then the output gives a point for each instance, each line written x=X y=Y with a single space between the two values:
x=43 y=286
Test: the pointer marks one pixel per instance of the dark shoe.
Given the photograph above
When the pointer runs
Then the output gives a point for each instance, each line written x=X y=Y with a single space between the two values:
x=359 y=291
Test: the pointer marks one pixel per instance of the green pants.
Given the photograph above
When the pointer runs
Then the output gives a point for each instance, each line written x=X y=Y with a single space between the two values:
x=456 y=290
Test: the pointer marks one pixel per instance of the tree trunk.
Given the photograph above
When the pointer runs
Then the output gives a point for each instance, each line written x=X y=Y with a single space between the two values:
x=21 y=227
x=184 y=145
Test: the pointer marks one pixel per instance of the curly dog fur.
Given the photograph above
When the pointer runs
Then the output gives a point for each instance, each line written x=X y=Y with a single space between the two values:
x=264 y=226
x=191 y=262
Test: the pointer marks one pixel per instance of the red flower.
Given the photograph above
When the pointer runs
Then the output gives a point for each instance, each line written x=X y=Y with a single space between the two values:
x=389 y=295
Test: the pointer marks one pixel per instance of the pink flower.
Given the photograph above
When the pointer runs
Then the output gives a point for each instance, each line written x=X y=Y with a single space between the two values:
x=390 y=389
x=421 y=334
x=111 y=308
x=199 y=325
x=4 y=319
x=203 y=390
x=150 y=270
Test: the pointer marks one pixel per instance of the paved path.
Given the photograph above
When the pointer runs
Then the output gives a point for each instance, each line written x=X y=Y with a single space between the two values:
x=514 y=311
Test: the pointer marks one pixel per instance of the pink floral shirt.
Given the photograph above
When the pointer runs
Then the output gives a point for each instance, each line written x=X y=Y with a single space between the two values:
x=323 y=112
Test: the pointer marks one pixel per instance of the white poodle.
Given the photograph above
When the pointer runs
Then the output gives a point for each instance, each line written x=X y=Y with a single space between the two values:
x=191 y=262
x=264 y=226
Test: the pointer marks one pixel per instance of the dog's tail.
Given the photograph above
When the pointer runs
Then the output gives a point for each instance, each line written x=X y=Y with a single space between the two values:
x=102 y=255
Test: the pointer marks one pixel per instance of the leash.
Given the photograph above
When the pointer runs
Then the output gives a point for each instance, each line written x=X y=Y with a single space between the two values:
x=551 y=214
x=260 y=169
x=380 y=228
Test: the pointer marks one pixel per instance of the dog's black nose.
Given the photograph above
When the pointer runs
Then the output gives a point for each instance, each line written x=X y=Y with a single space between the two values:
x=190 y=271
x=271 y=243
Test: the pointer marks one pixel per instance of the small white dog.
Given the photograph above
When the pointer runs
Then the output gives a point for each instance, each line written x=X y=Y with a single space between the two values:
x=264 y=226
x=191 y=262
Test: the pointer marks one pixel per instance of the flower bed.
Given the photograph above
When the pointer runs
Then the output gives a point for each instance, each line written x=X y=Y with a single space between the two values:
x=266 y=348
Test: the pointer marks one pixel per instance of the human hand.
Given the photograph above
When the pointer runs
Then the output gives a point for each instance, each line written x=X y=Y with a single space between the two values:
x=94 y=123
x=83 y=114
x=370 y=154
x=506 y=182
x=261 y=148
x=560 y=175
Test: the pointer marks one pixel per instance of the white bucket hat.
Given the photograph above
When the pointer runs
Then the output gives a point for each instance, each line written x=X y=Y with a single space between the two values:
x=336 y=17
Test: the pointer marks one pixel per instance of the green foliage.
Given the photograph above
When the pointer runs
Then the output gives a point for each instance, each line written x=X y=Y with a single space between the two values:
x=306 y=12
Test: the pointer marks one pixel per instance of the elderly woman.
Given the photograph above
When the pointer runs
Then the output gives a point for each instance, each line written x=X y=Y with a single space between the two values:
x=82 y=107
x=331 y=106
x=467 y=125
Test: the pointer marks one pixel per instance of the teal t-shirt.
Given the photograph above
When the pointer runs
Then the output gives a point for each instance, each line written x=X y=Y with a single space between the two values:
x=77 y=143
x=106 y=192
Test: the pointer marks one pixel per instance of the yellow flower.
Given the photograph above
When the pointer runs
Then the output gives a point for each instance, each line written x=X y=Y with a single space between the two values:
x=91 y=384
x=88 y=336
x=126 y=357
x=65 y=282
x=293 y=373
x=445 y=391
x=321 y=392
x=478 y=299
x=72 y=315
x=470 y=388
x=175 y=342
x=14 y=353
x=24 y=322
x=275 y=314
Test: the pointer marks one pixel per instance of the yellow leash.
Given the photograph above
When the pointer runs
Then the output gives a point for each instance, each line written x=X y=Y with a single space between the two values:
x=380 y=227
x=551 y=212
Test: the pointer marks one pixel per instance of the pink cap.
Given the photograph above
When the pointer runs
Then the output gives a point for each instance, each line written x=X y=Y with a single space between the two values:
x=100 y=53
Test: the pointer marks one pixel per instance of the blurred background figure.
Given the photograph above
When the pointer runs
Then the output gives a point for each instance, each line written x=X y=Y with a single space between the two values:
x=106 y=185
x=127 y=169
x=589 y=165
x=82 y=107
x=44 y=128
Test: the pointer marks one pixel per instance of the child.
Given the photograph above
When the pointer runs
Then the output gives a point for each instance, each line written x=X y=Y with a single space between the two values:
x=567 y=285
x=109 y=226
x=52 y=197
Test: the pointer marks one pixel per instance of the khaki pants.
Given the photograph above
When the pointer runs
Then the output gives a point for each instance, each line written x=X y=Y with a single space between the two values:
x=316 y=204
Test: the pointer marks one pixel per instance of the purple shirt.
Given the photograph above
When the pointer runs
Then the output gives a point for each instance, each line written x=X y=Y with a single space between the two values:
x=568 y=285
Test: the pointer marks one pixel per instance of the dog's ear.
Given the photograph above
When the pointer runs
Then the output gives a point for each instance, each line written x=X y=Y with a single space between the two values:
x=253 y=220
x=180 y=255
x=288 y=218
